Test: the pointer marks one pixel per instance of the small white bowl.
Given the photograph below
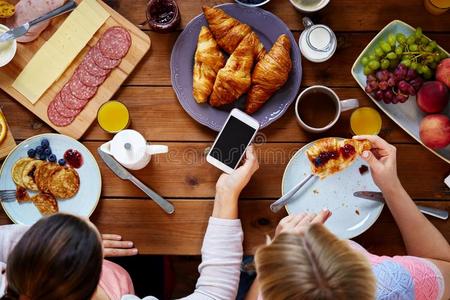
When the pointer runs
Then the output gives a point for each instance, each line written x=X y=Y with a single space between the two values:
x=7 y=53
x=252 y=5
x=304 y=9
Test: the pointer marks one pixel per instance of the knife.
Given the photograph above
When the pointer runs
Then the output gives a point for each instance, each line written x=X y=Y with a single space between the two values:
x=377 y=196
x=123 y=174
x=22 y=30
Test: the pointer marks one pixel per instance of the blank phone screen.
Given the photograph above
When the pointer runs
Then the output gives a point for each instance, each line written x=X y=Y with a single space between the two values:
x=232 y=142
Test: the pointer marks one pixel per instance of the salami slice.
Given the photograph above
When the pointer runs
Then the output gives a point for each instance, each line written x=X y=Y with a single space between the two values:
x=56 y=118
x=115 y=42
x=89 y=65
x=70 y=100
x=79 y=90
x=103 y=61
x=64 y=110
x=88 y=79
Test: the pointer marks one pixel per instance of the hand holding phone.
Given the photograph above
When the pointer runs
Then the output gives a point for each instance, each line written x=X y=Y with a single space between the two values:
x=234 y=138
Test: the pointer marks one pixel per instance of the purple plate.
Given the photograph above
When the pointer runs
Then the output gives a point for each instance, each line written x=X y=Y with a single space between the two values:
x=268 y=27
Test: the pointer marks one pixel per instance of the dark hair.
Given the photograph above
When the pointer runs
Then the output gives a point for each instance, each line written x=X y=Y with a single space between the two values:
x=59 y=257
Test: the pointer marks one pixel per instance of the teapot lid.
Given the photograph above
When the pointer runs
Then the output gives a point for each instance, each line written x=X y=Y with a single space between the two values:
x=128 y=146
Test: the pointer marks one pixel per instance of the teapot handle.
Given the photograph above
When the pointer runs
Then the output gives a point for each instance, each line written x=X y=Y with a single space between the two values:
x=157 y=149
x=106 y=147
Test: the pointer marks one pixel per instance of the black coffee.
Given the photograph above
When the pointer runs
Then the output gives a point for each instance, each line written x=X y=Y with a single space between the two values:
x=317 y=109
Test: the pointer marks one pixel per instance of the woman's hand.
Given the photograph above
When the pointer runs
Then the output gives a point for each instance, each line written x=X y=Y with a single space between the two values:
x=382 y=160
x=298 y=224
x=114 y=246
x=229 y=186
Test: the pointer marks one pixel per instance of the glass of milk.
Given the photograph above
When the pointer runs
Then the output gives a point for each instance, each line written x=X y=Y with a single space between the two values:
x=317 y=42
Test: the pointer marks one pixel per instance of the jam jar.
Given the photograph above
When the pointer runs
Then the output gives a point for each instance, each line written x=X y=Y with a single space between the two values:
x=163 y=15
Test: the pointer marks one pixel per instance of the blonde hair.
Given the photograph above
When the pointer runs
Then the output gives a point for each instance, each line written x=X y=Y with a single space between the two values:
x=315 y=266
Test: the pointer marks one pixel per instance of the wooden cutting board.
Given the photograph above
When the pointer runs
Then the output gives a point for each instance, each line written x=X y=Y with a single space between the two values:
x=7 y=145
x=140 y=45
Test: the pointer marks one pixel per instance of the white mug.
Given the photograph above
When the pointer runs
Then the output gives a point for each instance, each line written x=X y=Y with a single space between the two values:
x=341 y=106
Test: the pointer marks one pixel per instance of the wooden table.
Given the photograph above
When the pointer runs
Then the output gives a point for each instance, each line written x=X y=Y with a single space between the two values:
x=188 y=181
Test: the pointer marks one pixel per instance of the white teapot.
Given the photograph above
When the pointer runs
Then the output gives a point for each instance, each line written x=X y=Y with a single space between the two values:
x=131 y=149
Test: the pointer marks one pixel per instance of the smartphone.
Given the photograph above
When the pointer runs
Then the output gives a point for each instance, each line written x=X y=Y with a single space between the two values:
x=235 y=136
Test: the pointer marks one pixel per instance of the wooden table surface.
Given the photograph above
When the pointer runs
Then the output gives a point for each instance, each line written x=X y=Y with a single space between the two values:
x=188 y=181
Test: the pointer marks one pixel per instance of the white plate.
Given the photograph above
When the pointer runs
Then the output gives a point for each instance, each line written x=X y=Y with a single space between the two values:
x=335 y=193
x=407 y=115
x=82 y=204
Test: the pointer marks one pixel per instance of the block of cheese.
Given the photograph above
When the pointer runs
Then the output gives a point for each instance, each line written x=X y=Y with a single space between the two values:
x=56 y=55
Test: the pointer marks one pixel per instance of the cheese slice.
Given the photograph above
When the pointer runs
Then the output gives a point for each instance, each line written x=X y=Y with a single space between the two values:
x=56 y=55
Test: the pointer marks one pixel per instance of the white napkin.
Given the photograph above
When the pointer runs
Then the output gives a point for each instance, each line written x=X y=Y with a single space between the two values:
x=133 y=297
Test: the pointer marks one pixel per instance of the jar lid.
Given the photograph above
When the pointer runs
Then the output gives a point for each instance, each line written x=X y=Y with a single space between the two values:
x=128 y=146
x=318 y=43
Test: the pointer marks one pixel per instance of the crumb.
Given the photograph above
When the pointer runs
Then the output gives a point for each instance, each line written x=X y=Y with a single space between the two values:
x=315 y=191
x=363 y=169
x=357 y=211
x=304 y=174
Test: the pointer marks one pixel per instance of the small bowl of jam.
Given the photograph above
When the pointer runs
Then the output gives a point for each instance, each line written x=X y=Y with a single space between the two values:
x=252 y=3
x=163 y=15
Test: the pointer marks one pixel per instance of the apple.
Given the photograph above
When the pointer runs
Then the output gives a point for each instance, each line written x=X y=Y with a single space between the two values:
x=432 y=97
x=435 y=131
x=443 y=72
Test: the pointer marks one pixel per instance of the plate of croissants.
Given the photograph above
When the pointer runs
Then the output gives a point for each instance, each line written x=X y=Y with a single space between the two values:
x=233 y=56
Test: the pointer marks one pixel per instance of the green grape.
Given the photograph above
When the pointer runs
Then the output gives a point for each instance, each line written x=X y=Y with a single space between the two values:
x=413 y=47
x=429 y=59
x=425 y=69
x=379 y=52
x=433 y=65
x=428 y=48
x=420 y=69
x=413 y=65
x=367 y=70
x=433 y=45
x=364 y=61
x=393 y=63
x=401 y=38
x=399 y=50
x=374 y=65
x=437 y=57
x=372 y=57
x=391 y=55
x=406 y=62
x=424 y=41
x=442 y=55
x=411 y=40
x=385 y=64
x=391 y=39
x=385 y=46
x=427 y=74
x=418 y=32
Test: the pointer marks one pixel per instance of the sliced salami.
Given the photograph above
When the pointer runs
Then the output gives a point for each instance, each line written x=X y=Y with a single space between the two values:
x=115 y=42
x=70 y=100
x=88 y=79
x=56 y=118
x=103 y=61
x=79 y=90
x=64 y=110
x=89 y=65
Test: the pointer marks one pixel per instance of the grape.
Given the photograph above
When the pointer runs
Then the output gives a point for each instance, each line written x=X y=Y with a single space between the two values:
x=389 y=95
x=368 y=89
x=374 y=64
x=406 y=88
x=385 y=64
x=418 y=32
x=433 y=45
x=386 y=100
x=413 y=66
x=410 y=40
x=427 y=74
x=395 y=99
x=391 y=55
x=383 y=85
x=410 y=74
x=372 y=57
x=424 y=41
x=371 y=78
x=401 y=38
x=406 y=62
x=385 y=46
x=391 y=82
x=379 y=95
x=379 y=52
x=413 y=47
x=367 y=70
x=399 y=50
x=364 y=61
x=391 y=39
x=401 y=98
x=416 y=83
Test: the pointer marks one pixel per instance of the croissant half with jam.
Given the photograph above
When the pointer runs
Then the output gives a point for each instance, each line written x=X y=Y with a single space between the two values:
x=208 y=61
x=229 y=32
x=270 y=74
x=234 y=79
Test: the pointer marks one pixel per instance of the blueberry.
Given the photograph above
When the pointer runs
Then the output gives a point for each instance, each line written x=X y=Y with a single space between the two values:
x=43 y=157
x=45 y=143
x=47 y=151
x=31 y=153
x=62 y=162
x=52 y=158
x=39 y=150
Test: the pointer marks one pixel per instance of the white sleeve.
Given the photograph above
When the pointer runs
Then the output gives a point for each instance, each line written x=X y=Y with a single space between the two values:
x=221 y=259
x=9 y=236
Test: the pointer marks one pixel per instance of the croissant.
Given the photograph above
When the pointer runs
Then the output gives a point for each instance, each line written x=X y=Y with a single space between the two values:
x=234 y=79
x=208 y=61
x=229 y=32
x=270 y=74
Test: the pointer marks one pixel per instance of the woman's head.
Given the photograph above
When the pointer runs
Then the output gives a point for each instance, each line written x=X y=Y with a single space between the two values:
x=316 y=265
x=59 y=257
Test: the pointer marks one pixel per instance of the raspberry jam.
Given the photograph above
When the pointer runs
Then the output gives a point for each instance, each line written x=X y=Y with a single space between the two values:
x=347 y=150
x=21 y=194
x=324 y=157
x=73 y=158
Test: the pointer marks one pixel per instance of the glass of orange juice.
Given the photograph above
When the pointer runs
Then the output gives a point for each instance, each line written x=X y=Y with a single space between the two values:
x=113 y=116
x=365 y=121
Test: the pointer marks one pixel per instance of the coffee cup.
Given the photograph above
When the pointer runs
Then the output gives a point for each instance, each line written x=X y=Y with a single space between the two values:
x=309 y=6
x=318 y=108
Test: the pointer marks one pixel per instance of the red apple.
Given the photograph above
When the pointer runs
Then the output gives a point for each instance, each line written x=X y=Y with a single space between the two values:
x=435 y=131
x=443 y=72
x=432 y=97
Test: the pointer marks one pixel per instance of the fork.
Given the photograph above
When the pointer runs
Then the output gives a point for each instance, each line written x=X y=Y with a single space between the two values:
x=8 y=195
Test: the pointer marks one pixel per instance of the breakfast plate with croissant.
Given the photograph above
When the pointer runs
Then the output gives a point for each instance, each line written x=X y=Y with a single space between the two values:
x=232 y=56
x=339 y=172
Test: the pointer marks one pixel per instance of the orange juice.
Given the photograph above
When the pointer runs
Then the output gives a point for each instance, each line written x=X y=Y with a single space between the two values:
x=113 y=116
x=365 y=120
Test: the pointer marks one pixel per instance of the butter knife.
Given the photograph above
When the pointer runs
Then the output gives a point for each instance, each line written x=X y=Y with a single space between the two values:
x=377 y=196
x=123 y=174
x=23 y=29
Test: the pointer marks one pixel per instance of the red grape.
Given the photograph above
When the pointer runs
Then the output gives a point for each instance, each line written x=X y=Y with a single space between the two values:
x=383 y=85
